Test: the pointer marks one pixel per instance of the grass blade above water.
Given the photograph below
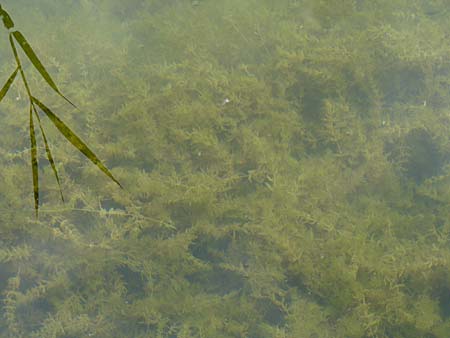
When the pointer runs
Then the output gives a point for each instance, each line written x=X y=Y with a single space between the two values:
x=34 y=163
x=49 y=153
x=8 y=84
x=37 y=63
x=74 y=139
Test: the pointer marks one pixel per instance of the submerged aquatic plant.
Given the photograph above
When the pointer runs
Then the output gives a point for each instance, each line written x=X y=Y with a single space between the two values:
x=16 y=36
x=290 y=211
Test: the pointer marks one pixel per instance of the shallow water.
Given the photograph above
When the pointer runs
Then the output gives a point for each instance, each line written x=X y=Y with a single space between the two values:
x=284 y=168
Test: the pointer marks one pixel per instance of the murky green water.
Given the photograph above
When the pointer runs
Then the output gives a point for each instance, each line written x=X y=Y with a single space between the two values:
x=285 y=170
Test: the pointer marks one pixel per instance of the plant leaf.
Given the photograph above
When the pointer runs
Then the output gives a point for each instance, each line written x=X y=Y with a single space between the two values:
x=49 y=153
x=34 y=163
x=74 y=139
x=8 y=84
x=37 y=63
x=19 y=64
x=7 y=21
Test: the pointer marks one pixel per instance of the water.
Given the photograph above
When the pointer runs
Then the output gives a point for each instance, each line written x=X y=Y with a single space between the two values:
x=284 y=168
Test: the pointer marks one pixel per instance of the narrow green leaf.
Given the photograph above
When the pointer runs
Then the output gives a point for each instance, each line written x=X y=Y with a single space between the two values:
x=74 y=139
x=48 y=152
x=37 y=63
x=14 y=49
x=8 y=84
x=34 y=163
x=7 y=21
x=19 y=64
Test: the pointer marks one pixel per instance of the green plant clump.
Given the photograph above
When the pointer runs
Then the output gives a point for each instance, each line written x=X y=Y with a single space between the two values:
x=285 y=166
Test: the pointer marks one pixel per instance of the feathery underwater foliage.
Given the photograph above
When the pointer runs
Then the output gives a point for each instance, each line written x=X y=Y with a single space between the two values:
x=285 y=166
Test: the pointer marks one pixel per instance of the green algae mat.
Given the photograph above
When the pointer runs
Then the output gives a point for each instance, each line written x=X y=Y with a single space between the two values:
x=285 y=167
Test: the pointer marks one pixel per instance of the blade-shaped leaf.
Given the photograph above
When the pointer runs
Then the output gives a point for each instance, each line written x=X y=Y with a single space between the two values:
x=74 y=139
x=7 y=21
x=34 y=163
x=19 y=64
x=8 y=84
x=49 y=153
x=37 y=63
